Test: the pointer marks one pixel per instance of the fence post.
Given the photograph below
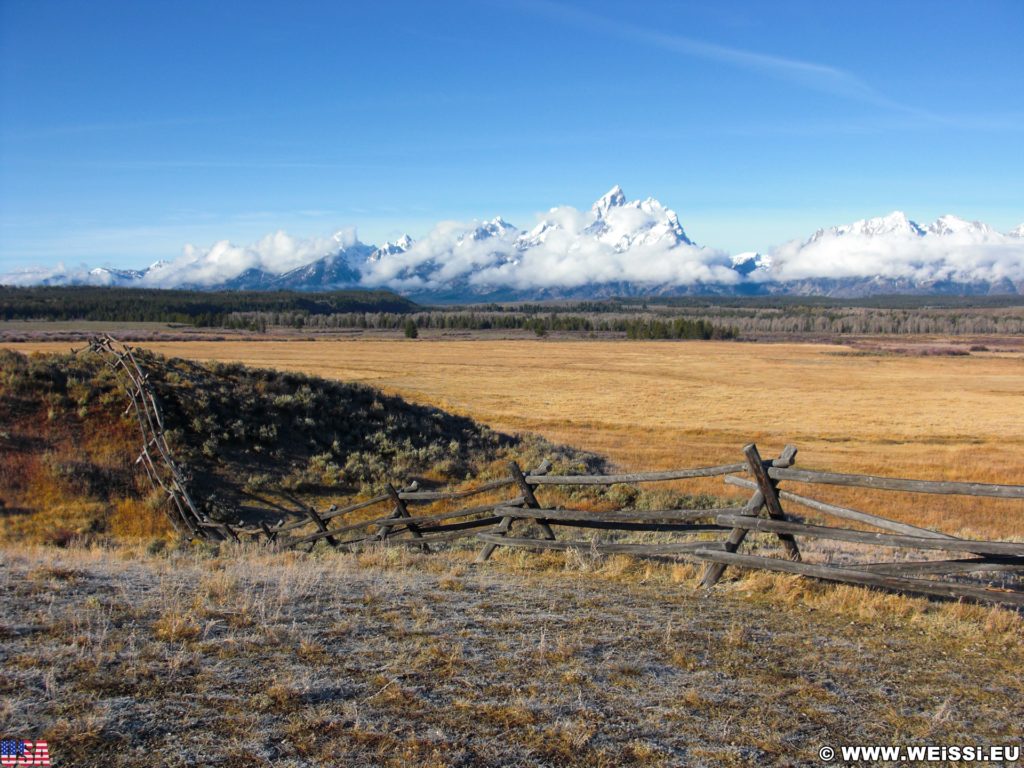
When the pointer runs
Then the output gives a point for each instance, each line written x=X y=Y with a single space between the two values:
x=713 y=572
x=766 y=496
x=767 y=486
x=319 y=523
x=531 y=500
x=271 y=535
x=505 y=525
x=401 y=511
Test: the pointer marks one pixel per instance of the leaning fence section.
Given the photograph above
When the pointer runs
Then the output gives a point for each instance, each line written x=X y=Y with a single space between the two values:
x=397 y=523
x=155 y=457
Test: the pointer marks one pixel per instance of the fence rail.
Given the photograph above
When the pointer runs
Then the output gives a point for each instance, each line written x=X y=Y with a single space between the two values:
x=711 y=536
x=155 y=457
x=899 y=484
x=902 y=576
x=636 y=477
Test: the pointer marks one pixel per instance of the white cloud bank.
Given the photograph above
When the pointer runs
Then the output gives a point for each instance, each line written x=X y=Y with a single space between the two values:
x=275 y=253
x=639 y=242
x=614 y=242
x=950 y=249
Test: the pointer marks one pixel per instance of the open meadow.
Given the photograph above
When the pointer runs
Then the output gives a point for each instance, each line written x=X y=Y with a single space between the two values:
x=135 y=650
x=388 y=658
x=662 y=405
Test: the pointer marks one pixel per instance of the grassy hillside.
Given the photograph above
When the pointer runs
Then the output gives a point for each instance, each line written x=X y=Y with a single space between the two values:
x=255 y=444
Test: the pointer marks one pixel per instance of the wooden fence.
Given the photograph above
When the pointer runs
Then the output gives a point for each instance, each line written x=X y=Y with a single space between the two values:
x=899 y=575
x=712 y=536
x=155 y=457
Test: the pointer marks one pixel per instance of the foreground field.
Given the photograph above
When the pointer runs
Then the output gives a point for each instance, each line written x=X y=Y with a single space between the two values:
x=673 y=404
x=390 y=659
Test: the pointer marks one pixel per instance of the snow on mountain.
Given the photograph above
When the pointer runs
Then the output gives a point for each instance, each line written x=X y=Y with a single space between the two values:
x=614 y=221
x=896 y=224
x=616 y=246
x=232 y=267
x=401 y=245
x=948 y=251
x=496 y=227
x=955 y=226
x=109 y=276
x=60 y=275
x=636 y=243
x=613 y=198
x=751 y=261
x=335 y=270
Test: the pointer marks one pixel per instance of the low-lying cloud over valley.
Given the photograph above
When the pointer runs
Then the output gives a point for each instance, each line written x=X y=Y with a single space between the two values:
x=621 y=245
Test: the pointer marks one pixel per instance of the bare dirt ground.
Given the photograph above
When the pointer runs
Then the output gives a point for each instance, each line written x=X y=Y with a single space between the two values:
x=124 y=658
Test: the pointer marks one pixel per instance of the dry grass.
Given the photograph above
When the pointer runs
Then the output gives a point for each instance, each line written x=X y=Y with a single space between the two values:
x=395 y=658
x=663 y=405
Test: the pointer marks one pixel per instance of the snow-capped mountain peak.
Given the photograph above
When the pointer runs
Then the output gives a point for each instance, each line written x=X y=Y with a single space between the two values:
x=496 y=227
x=613 y=198
x=616 y=246
x=643 y=223
x=954 y=225
x=751 y=261
x=894 y=224
x=401 y=245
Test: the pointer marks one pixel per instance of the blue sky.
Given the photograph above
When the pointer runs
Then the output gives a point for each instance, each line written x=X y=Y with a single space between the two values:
x=128 y=129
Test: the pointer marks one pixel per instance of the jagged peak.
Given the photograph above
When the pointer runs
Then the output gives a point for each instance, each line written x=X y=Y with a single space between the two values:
x=496 y=227
x=949 y=224
x=895 y=223
x=751 y=261
x=613 y=198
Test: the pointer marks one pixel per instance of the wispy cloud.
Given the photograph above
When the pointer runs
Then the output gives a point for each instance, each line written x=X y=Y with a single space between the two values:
x=112 y=127
x=815 y=76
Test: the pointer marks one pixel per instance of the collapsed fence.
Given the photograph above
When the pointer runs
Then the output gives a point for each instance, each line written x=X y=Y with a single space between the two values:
x=155 y=457
x=711 y=536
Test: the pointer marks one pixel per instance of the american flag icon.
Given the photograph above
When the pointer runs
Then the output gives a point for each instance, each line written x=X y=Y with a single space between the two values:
x=20 y=752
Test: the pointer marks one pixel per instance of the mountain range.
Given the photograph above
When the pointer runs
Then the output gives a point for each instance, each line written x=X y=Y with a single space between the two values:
x=618 y=247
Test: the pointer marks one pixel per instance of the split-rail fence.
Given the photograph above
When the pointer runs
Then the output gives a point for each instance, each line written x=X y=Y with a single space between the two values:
x=711 y=536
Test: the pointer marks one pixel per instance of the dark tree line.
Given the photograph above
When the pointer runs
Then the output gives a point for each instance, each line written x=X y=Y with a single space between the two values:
x=689 y=318
x=198 y=308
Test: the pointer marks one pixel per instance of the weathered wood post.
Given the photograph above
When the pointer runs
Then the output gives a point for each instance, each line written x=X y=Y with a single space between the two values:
x=400 y=512
x=271 y=535
x=531 y=500
x=503 y=527
x=713 y=572
x=321 y=526
x=769 y=488
x=767 y=496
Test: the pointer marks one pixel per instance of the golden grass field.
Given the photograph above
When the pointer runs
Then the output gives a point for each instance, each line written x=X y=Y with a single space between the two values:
x=659 y=405
x=396 y=658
